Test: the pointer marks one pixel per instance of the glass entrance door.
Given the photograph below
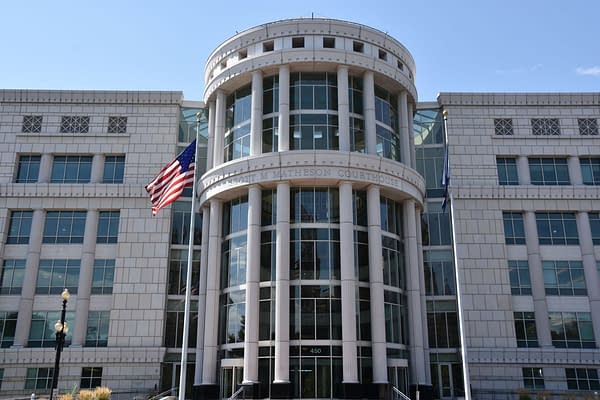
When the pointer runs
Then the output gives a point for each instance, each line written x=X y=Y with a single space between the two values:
x=231 y=379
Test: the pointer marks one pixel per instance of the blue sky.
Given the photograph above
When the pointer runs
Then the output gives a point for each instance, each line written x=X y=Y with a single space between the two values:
x=466 y=46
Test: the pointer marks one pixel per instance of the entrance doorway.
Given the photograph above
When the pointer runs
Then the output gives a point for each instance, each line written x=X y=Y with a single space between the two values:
x=232 y=373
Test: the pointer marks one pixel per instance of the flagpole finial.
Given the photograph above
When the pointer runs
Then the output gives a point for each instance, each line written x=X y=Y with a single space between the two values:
x=445 y=113
x=198 y=116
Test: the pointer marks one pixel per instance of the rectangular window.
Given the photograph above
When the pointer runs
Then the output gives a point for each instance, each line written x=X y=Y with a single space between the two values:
x=545 y=126
x=174 y=324
x=590 y=170
x=108 y=227
x=74 y=124
x=32 y=124
x=42 y=332
x=503 y=126
x=64 y=227
x=71 y=169
x=117 y=124
x=572 y=330
x=297 y=42
x=442 y=324
x=595 y=227
x=564 y=278
x=103 y=276
x=556 y=228
x=242 y=54
x=507 y=171
x=439 y=274
x=514 y=230
x=8 y=325
x=533 y=378
x=19 y=227
x=268 y=46
x=54 y=275
x=91 y=377
x=582 y=379
x=525 y=330
x=11 y=276
x=587 y=126
x=382 y=55
x=520 y=282
x=328 y=43
x=28 y=169
x=39 y=378
x=97 y=329
x=549 y=171
x=114 y=169
x=358 y=47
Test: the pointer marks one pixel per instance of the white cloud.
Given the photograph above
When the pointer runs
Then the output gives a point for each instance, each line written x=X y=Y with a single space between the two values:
x=594 y=71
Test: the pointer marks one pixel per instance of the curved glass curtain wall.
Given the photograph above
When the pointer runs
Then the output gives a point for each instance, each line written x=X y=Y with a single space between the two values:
x=386 y=129
x=270 y=114
x=357 y=122
x=237 y=124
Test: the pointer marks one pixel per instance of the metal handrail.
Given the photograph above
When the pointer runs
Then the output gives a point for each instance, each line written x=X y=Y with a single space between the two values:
x=236 y=394
x=158 y=396
x=399 y=394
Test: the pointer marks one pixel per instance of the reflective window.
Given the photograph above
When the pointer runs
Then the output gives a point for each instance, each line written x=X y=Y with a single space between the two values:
x=564 y=278
x=428 y=127
x=178 y=271
x=357 y=135
x=391 y=216
x=514 y=230
x=503 y=126
x=314 y=205
x=313 y=91
x=314 y=132
x=590 y=170
x=549 y=171
x=314 y=253
x=19 y=227
x=267 y=255
x=556 y=228
x=393 y=262
x=430 y=164
x=237 y=143
x=39 y=378
x=595 y=227
x=8 y=325
x=270 y=134
x=91 y=377
x=32 y=124
x=174 y=323
x=587 y=126
x=42 y=334
x=232 y=317
x=361 y=255
x=54 y=275
x=533 y=378
x=269 y=207
x=114 y=169
x=507 y=171
x=180 y=224
x=313 y=369
x=103 y=276
x=582 y=379
x=545 y=126
x=518 y=272
x=28 y=169
x=108 y=227
x=442 y=324
x=388 y=143
x=64 y=227
x=572 y=330
x=11 y=276
x=435 y=225
x=237 y=124
x=235 y=216
x=74 y=124
x=355 y=94
x=315 y=312
x=266 y=314
x=439 y=273
x=233 y=259
x=525 y=330
x=97 y=329
x=396 y=317
x=359 y=207
x=71 y=169
x=270 y=94
x=386 y=108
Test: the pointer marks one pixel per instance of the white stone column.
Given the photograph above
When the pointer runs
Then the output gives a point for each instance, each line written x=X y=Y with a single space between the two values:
x=343 y=108
x=282 y=285
x=349 y=284
x=210 y=142
x=523 y=170
x=219 y=143
x=283 y=126
x=378 y=341
x=369 y=111
x=252 y=286
x=540 y=307
x=404 y=128
x=256 y=114
x=45 y=168
x=411 y=139
x=424 y=327
x=574 y=170
x=414 y=270
x=211 y=331
x=30 y=278
x=592 y=280
x=202 y=296
x=86 y=270
x=97 y=172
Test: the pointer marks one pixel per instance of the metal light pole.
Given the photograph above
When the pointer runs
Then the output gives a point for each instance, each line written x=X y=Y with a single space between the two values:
x=61 y=329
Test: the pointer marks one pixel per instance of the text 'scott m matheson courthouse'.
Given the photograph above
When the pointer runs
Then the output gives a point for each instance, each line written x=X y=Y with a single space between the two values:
x=329 y=261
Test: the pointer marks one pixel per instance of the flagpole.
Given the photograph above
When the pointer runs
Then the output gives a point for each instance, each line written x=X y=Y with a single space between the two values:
x=461 y=320
x=188 y=277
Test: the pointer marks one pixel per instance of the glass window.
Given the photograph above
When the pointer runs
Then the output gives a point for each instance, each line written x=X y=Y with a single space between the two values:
x=391 y=216
x=556 y=228
x=269 y=207
x=235 y=216
x=595 y=227
x=545 y=126
x=315 y=312
x=97 y=329
x=91 y=377
x=549 y=171
x=430 y=164
x=314 y=132
x=507 y=171
x=525 y=330
x=71 y=169
x=572 y=330
x=503 y=126
x=357 y=135
x=587 y=126
x=396 y=317
x=564 y=278
x=393 y=262
x=32 y=124
x=114 y=169
x=355 y=95
x=54 y=275
x=533 y=378
x=180 y=224
x=314 y=253
x=117 y=124
x=178 y=271
x=328 y=42
x=582 y=379
x=75 y=124
x=361 y=255
x=28 y=169
x=320 y=205
x=270 y=134
x=174 y=323
x=233 y=261
x=39 y=378
x=232 y=317
x=270 y=94
x=439 y=273
x=11 y=276
x=108 y=227
x=435 y=225
x=520 y=282
x=442 y=324
x=428 y=127
x=590 y=170
x=103 y=276
x=42 y=332
x=297 y=42
x=8 y=325
x=267 y=256
x=64 y=227
x=514 y=230
x=19 y=227
x=313 y=91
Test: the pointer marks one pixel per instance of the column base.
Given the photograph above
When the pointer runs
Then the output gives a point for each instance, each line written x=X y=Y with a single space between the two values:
x=251 y=391
x=205 y=392
x=425 y=391
x=353 y=390
x=377 y=391
x=281 y=390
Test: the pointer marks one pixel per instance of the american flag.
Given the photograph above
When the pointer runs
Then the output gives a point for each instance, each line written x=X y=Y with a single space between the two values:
x=168 y=185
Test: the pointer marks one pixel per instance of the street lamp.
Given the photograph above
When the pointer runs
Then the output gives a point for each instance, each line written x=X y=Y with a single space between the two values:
x=61 y=328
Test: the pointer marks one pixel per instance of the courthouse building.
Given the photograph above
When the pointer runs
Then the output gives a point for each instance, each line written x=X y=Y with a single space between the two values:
x=325 y=266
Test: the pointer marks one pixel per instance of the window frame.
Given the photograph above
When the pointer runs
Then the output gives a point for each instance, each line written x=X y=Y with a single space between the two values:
x=516 y=234
x=28 y=165
x=556 y=228
x=72 y=220
x=508 y=173
x=19 y=234
x=549 y=171
x=520 y=278
x=590 y=170
x=71 y=169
